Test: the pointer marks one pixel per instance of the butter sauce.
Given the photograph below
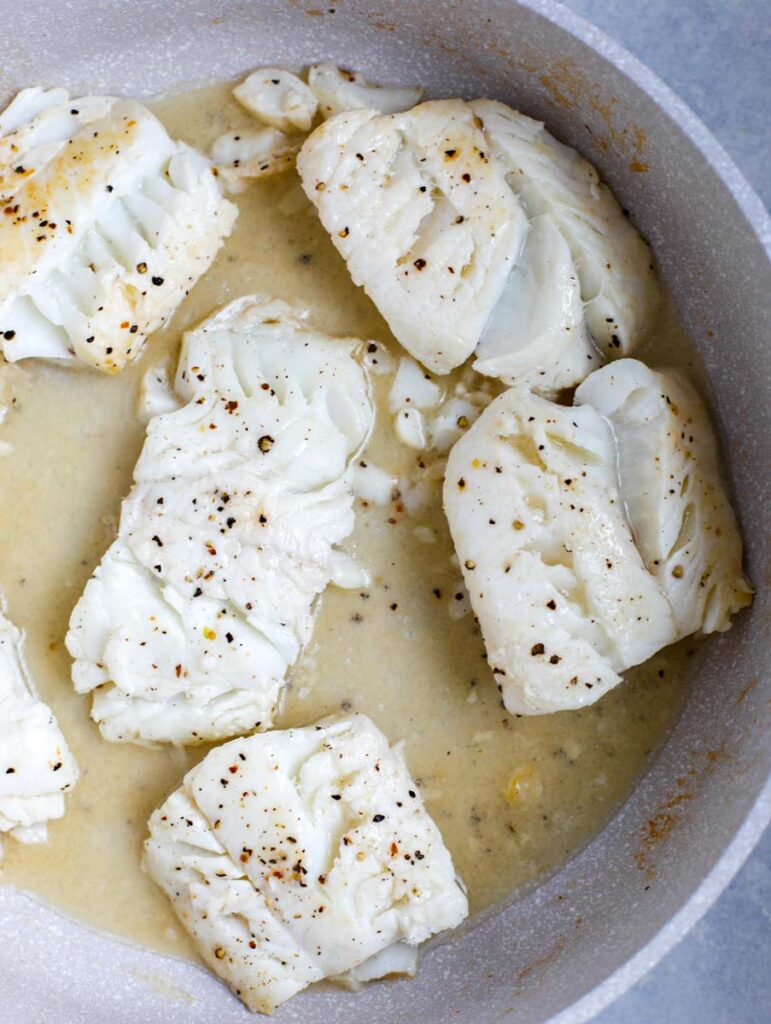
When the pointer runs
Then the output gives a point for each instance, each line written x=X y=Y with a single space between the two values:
x=513 y=797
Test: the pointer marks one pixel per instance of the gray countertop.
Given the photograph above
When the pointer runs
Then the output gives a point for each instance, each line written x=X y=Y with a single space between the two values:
x=715 y=55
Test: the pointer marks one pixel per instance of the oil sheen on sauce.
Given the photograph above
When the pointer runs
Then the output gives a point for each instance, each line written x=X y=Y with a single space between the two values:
x=513 y=797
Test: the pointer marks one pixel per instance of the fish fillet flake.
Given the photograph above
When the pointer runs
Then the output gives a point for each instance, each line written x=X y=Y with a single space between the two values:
x=230 y=532
x=300 y=855
x=107 y=224
x=36 y=766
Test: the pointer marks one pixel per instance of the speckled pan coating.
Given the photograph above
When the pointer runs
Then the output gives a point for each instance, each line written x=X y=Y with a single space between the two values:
x=565 y=950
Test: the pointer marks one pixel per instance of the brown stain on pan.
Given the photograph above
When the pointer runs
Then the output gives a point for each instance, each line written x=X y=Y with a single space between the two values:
x=565 y=83
x=746 y=691
x=538 y=966
x=544 y=961
x=481 y=42
x=378 y=22
x=657 y=830
x=569 y=88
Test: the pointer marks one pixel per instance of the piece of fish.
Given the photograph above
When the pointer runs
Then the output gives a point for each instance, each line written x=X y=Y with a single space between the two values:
x=278 y=98
x=537 y=333
x=230 y=532
x=304 y=854
x=36 y=766
x=613 y=264
x=423 y=217
x=473 y=230
x=338 y=90
x=671 y=482
x=243 y=157
x=107 y=224
x=563 y=598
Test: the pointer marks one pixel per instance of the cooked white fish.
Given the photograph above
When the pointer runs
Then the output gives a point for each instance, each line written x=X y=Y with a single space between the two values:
x=301 y=855
x=244 y=156
x=413 y=200
x=372 y=484
x=563 y=598
x=614 y=265
x=423 y=217
x=36 y=766
x=278 y=98
x=537 y=333
x=454 y=417
x=671 y=482
x=412 y=388
x=411 y=393
x=108 y=224
x=410 y=428
x=187 y=627
x=13 y=384
x=35 y=127
x=338 y=90
x=156 y=394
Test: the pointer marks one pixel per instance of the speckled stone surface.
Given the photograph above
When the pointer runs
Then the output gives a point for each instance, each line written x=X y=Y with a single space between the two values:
x=714 y=54
x=719 y=974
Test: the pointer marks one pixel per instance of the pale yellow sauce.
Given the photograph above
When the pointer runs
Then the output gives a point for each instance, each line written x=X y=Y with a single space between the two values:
x=392 y=651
